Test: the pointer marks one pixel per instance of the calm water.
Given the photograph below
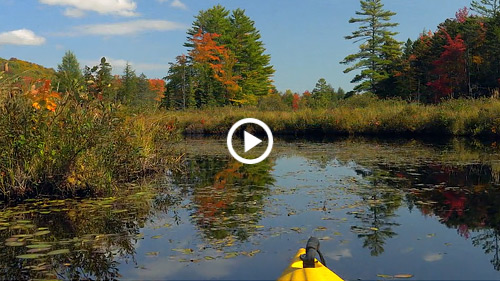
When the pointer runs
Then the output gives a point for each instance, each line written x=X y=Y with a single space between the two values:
x=381 y=208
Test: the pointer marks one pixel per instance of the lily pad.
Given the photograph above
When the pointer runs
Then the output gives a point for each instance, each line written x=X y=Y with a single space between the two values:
x=184 y=251
x=403 y=276
x=14 y=244
x=58 y=252
x=42 y=232
x=231 y=255
x=38 y=246
x=30 y=256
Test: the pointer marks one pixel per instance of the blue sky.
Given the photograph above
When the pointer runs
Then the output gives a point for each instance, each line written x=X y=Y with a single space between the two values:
x=304 y=38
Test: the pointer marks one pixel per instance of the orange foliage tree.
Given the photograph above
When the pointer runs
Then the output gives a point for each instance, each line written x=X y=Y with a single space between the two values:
x=220 y=60
x=158 y=87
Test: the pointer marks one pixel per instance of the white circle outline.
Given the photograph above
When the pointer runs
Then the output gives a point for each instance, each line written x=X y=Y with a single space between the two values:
x=269 y=144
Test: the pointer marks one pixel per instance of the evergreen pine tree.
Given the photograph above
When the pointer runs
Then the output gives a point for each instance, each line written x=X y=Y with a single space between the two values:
x=69 y=74
x=377 y=45
x=128 y=89
x=252 y=64
x=486 y=8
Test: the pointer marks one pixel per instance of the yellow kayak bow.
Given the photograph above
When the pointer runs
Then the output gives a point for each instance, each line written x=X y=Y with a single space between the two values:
x=302 y=270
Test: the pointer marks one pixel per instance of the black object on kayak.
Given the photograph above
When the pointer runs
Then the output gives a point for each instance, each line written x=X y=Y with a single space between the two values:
x=312 y=249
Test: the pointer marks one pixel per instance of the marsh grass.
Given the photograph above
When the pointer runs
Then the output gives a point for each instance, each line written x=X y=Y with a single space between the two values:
x=357 y=117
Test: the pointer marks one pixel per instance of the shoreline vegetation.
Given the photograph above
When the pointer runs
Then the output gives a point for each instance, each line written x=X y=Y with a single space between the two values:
x=356 y=116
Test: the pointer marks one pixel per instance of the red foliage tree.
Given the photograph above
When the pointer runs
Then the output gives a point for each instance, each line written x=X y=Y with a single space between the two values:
x=295 y=102
x=462 y=15
x=450 y=68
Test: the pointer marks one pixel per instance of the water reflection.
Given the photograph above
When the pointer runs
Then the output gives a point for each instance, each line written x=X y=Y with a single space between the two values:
x=227 y=196
x=70 y=239
x=360 y=197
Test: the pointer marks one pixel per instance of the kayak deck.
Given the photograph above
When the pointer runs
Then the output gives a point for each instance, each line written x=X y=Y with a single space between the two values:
x=296 y=272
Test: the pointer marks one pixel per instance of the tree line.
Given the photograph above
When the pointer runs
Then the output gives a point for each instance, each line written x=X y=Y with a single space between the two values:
x=98 y=82
x=460 y=59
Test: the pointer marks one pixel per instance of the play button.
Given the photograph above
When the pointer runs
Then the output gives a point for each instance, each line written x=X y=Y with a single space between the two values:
x=250 y=141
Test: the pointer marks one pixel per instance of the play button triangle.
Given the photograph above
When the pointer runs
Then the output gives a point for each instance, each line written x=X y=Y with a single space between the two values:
x=250 y=141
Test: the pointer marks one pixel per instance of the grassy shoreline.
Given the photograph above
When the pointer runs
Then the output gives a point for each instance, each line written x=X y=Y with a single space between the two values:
x=471 y=118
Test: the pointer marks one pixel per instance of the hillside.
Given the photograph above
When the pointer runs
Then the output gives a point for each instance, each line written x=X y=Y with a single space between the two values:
x=22 y=68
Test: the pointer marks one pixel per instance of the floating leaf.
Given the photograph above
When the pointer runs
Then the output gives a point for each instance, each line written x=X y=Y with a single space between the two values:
x=374 y=228
x=38 y=246
x=321 y=228
x=14 y=244
x=430 y=235
x=385 y=276
x=208 y=258
x=152 y=254
x=156 y=237
x=30 y=256
x=58 y=252
x=231 y=255
x=296 y=229
x=403 y=276
x=38 y=250
x=184 y=251
x=42 y=232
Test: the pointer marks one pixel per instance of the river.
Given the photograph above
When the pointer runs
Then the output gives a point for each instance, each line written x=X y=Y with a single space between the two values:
x=418 y=209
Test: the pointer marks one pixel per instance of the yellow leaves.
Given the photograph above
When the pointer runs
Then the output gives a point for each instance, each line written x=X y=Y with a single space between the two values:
x=477 y=60
x=42 y=96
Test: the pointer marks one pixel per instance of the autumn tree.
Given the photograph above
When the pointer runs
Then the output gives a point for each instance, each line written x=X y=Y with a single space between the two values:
x=157 y=86
x=377 y=46
x=212 y=61
x=69 y=74
x=450 y=68
x=226 y=60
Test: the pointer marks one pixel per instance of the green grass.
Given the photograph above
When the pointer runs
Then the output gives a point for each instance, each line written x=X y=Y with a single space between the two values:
x=355 y=117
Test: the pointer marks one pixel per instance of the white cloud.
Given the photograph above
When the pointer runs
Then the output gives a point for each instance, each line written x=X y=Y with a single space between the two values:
x=126 y=28
x=175 y=3
x=178 y=4
x=21 y=37
x=339 y=254
x=124 y=8
x=74 y=13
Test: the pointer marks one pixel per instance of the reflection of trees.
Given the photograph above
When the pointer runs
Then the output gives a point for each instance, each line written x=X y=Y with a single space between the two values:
x=378 y=218
x=488 y=241
x=227 y=196
x=96 y=232
x=464 y=197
